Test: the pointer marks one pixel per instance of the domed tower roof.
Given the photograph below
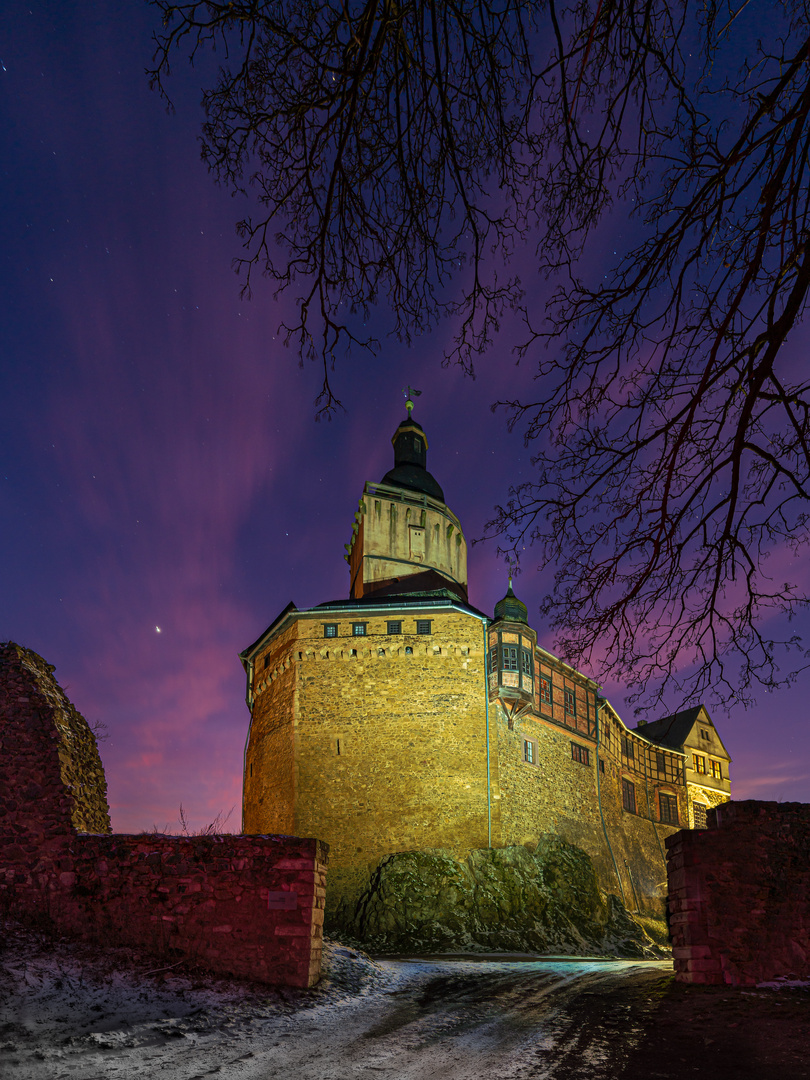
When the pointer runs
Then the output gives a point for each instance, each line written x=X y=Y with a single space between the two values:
x=410 y=455
x=511 y=608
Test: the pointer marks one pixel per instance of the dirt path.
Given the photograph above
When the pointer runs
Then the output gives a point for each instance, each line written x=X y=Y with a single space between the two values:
x=68 y=1014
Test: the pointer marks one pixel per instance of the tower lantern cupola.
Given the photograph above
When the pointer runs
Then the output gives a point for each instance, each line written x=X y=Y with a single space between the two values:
x=410 y=461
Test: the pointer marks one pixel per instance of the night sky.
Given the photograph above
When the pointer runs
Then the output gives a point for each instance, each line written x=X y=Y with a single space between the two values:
x=164 y=488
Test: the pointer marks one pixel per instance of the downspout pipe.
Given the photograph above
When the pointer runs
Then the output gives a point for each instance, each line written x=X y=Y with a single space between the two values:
x=599 y=703
x=484 y=624
x=249 y=702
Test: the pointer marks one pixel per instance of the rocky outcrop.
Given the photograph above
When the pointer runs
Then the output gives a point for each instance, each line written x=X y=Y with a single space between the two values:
x=542 y=899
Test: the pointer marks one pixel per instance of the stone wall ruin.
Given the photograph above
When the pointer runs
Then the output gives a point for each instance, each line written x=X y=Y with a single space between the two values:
x=250 y=906
x=739 y=895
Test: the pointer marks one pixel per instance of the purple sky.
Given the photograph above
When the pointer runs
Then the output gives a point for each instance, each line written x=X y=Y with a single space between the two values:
x=160 y=462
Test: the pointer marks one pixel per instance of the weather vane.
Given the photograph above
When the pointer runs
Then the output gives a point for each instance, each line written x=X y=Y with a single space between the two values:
x=410 y=393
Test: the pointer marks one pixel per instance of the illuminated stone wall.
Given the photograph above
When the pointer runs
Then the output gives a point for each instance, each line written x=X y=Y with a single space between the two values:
x=703 y=796
x=559 y=794
x=381 y=752
x=739 y=895
x=390 y=749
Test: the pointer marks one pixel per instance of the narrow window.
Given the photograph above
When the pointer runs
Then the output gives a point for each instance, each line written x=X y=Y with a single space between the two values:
x=704 y=734
x=629 y=796
x=394 y=626
x=700 y=815
x=669 y=809
x=661 y=763
x=699 y=763
x=509 y=660
x=570 y=702
x=359 y=629
x=423 y=626
x=526 y=662
x=337 y=747
x=530 y=751
x=330 y=629
x=628 y=750
x=267 y=660
x=580 y=754
x=493 y=660
x=601 y=765
x=545 y=690
x=717 y=770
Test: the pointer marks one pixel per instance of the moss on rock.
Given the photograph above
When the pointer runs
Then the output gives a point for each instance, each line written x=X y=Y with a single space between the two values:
x=542 y=898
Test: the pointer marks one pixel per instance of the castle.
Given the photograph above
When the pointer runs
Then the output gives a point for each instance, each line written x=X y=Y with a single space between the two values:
x=403 y=718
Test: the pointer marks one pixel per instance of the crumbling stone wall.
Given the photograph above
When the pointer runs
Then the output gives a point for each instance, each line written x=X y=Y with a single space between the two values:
x=249 y=906
x=51 y=777
x=739 y=894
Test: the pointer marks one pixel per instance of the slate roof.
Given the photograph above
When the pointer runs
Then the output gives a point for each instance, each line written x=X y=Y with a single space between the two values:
x=671 y=731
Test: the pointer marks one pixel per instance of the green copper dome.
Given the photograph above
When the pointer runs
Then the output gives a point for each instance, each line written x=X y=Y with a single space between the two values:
x=511 y=608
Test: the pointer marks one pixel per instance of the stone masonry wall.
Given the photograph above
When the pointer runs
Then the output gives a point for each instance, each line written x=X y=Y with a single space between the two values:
x=739 y=894
x=558 y=794
x=390 y=747
x=249 y=906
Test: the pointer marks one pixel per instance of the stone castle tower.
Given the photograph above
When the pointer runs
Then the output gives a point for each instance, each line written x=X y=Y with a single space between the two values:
x=403 y=718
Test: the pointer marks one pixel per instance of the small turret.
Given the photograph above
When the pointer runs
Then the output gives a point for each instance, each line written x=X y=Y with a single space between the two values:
x=511 y=652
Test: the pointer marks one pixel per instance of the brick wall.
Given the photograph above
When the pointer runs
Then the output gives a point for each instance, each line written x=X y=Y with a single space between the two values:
x=250 y=906
x=739 y=894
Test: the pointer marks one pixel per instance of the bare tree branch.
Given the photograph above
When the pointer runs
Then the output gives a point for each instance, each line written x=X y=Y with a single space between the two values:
x=402 y=152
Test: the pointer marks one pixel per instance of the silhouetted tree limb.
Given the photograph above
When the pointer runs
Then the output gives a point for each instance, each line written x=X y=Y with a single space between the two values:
x=402 y=152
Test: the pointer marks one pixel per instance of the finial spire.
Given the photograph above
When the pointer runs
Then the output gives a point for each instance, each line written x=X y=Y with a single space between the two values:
x=410 y=393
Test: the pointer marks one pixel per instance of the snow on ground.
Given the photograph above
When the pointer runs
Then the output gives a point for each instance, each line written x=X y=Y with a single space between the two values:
x=67 y=1011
